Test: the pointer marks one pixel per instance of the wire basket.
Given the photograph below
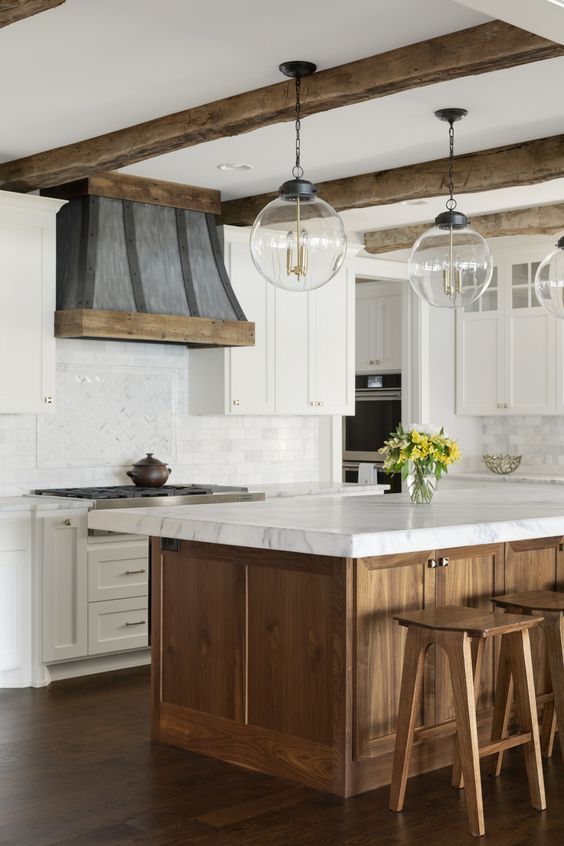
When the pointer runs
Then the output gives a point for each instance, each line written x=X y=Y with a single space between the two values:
x=502 y=464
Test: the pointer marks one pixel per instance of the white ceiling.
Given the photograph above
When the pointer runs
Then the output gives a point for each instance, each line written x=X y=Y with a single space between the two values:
x=539 y=16
x=87 y=68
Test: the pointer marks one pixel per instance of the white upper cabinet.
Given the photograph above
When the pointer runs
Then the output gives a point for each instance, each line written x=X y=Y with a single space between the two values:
x=303 y=359
x=27 y=302
x=506 y=357
x=378 y=328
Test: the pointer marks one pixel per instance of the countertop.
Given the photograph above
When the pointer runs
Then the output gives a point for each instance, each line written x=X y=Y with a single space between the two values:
x=276 y=489
x=42 y=503
x=518 y=476
x=356 y=526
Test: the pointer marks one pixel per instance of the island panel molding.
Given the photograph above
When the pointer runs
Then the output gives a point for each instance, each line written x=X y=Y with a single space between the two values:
x=523 y=163
x=446 y=57
x=308 y=689
x=537 y=220
x=12 y=11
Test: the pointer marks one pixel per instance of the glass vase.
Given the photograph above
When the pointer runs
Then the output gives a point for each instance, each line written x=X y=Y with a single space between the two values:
x=421 y=485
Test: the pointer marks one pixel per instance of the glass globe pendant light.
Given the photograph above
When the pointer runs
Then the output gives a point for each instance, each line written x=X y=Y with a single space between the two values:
x=450 y=264
x=549 y=281
x=298 y=241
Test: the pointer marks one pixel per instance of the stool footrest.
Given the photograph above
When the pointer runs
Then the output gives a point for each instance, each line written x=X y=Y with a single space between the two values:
x=506 y=743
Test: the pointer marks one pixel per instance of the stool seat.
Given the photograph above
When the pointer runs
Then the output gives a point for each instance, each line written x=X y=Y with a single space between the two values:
x=459 y=618
x=534 y=600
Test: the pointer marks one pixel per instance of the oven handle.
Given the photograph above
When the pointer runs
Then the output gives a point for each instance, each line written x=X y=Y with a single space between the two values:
x=377 y=396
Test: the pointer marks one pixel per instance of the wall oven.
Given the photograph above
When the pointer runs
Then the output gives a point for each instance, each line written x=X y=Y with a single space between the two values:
x=377 y=413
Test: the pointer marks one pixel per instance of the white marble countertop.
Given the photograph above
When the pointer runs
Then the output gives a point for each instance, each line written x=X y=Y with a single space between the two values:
x=518 y=476
x=42 y=503
x=356 y=526
x=276 y=489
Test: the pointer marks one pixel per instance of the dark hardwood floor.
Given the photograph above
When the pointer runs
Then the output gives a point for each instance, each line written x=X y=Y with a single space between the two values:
x=77 y=769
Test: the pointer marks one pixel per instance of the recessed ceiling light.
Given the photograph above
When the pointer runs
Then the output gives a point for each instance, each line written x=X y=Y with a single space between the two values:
x=557 y=2
x=233 y=166
x=414 y=202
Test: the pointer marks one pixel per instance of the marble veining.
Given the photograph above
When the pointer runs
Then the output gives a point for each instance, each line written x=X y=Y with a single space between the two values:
x=356 y=526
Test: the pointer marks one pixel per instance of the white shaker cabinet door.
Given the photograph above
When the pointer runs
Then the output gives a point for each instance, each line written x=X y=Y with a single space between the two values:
x=530 y=353
x=332 y=345
x=27 y=303
x=480 y=368
x=65 y=600
x=388 y=334
x=251 y=369
x=15 y=599
x=292 y=353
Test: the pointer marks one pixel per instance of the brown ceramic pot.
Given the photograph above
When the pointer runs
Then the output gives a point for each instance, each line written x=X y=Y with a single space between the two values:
x=149 y=472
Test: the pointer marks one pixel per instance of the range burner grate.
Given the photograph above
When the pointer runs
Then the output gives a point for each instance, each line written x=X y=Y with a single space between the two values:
x=126 y=491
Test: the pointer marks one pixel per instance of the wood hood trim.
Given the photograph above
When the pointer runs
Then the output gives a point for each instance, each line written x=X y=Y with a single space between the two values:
x=139 y=326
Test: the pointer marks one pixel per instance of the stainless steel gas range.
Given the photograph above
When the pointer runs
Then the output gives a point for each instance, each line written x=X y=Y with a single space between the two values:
x=130 y=496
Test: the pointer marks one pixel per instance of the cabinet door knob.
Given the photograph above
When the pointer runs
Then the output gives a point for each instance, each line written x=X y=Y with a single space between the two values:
x=374 y=361
x=432 y=563
x=236 y=402
x=500 y=405
x=506 y=405
x=68 y=522
x=443 y=562
x=49 y=400
x=320 y=403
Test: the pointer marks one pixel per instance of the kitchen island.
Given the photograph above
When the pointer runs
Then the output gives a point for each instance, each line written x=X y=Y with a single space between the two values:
x=273 y=640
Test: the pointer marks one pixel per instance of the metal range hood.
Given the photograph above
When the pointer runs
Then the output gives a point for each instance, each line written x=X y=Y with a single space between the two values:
x=140 y=259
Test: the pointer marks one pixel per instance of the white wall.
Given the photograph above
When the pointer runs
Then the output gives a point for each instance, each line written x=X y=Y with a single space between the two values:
x=116 y=401
x=438 y=376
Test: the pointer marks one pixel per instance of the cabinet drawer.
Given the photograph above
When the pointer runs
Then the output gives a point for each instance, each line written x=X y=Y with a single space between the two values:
x=117 y=625
x=117 y=571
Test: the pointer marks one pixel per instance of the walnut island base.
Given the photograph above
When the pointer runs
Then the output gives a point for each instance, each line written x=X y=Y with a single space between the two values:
x=290 y=662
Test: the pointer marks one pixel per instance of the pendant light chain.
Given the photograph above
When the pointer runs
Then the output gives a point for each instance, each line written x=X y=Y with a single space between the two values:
x=297 y=170
x=451 y=202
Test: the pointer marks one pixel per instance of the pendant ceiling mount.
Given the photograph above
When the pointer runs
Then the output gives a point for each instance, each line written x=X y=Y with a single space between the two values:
x=298 y=241
x=297 y=70
x=450 y=264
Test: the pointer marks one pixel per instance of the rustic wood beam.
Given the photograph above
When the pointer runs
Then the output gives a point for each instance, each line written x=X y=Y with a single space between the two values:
x=157 y=192
x=12 y=11
x=525 y=163
x=537 y=220
x=446 y=57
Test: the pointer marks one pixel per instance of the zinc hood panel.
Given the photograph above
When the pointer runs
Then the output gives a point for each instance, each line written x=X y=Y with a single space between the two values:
x=143 y=271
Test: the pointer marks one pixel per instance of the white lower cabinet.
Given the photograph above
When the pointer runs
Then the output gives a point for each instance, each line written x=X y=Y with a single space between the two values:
x=64 y=586
x=117 y=625
x=15 y=599
x=303 y=359
x=509 y=359
x=94 y=590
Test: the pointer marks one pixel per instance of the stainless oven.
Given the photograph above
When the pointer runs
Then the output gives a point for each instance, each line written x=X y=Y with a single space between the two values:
x=377 y=413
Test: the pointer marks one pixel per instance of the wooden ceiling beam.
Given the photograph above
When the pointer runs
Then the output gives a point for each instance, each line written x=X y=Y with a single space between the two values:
x=447 y=57
x=12 y=11
x=537 y=220
x=526 y=163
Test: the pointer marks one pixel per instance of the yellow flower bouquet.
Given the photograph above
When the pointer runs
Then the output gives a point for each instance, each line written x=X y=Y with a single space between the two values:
x=421 y=456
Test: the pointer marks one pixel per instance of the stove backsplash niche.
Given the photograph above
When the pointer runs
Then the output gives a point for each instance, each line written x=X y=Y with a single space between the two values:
x=116 y=401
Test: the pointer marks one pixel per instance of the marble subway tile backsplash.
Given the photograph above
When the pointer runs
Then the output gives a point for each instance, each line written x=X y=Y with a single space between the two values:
x=540 y=440
x=117 y=400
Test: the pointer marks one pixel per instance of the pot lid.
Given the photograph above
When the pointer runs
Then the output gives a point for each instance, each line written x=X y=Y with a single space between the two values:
x=149 y=461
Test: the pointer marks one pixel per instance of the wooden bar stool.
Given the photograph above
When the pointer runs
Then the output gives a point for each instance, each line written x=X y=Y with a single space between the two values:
x=453 y=628
x=551 y=604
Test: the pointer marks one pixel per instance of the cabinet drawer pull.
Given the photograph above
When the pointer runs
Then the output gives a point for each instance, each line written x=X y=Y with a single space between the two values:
x=443 y=562
x=374 y=361
x=432 y=563
x=137 y=623
x=134 y=572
